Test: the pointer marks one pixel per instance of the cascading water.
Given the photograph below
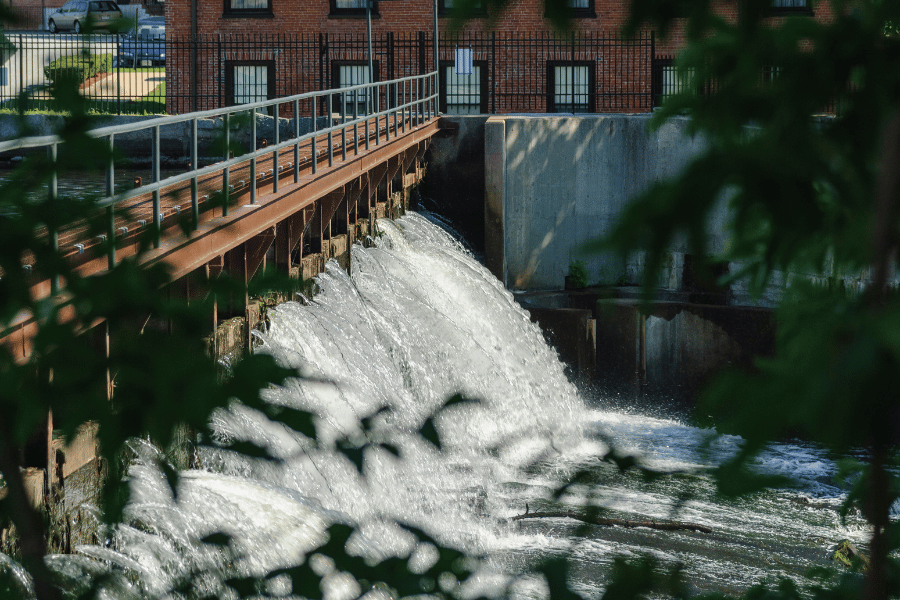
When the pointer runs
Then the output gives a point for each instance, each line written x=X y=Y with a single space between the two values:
x=418 y=321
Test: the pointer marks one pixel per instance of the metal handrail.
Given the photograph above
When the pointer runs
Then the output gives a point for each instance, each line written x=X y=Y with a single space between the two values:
x=46 y=140
x=421 y=90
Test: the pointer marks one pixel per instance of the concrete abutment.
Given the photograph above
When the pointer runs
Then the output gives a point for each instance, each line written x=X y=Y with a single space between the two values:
x=552 y=183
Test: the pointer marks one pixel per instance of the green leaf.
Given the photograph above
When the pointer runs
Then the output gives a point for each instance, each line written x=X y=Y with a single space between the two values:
x=353 y=453
x=456 y=400
x=250 y=450
x=429 y=432
x=171 y=477
x=217 y=539
x=300 y=421
x=244 y=586
x=305 y=581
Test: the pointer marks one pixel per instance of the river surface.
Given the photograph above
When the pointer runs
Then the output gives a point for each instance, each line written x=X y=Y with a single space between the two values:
x=420 y=320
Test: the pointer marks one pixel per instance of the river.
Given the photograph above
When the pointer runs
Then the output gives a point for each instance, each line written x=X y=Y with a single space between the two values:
x=418 y=321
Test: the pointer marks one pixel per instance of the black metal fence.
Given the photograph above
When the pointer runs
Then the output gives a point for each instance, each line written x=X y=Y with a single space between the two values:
x=504 y=73
x=37 y=61
x=480 y=72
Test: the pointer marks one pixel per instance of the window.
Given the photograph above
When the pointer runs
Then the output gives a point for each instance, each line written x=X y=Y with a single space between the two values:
x=249 y=81
x=248 y=8
x=352 y=8
x=445 y=7
x=347 y=74
x=791 y=6
x=464 y=94
x=570 y=87
x=667 y=81
x=580 y=9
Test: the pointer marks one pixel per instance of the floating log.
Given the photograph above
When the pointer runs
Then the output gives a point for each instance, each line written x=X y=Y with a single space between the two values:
x=661 y=525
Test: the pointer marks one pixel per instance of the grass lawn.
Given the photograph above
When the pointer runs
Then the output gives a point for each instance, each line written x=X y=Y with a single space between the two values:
x=153 y=103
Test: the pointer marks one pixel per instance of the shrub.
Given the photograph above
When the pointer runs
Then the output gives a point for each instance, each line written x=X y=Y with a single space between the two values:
x=78 y=67
x=578 y=274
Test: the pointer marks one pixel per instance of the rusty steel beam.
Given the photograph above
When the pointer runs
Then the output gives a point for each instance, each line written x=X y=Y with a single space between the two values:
x=184 y=253
x=257 y=249
x=218 y=235
x=288 y=233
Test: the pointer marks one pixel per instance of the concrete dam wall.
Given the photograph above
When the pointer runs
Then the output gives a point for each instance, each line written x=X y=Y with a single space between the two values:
x=555 y=183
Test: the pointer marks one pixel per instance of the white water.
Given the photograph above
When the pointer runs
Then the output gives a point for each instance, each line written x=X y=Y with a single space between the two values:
x=418 y=321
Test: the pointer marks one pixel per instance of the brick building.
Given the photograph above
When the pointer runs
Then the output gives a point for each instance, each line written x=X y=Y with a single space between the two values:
x=225 y=52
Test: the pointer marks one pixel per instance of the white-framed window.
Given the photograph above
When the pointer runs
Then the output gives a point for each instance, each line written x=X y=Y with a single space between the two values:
x=464 y=94
x=248 y=8
x=351 y=7
x=570 y=87
x=348 y=74
x=445 y=7
x=580 y=9
x=250 y=81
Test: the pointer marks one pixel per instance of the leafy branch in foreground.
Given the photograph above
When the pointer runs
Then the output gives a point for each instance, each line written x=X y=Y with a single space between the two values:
x=811 y=204
x=160 y=377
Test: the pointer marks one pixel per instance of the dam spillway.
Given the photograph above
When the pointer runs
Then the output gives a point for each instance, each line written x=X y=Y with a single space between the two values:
x=417 y=321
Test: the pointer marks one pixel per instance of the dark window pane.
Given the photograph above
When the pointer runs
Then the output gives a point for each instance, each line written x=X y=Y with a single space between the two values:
x=248 y=5
x=571 y=89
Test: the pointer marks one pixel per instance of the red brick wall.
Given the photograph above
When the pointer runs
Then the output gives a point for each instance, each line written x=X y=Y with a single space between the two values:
x=303 y=41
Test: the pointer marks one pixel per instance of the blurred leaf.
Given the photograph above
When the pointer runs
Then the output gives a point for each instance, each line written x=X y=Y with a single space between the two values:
x=556 y=571
x=217 y=539
x=429 y=433
x=250 y=450
x=353 y=453
x=300 y=421
x=305 y=581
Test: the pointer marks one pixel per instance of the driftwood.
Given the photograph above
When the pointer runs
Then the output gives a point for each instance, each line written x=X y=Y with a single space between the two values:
x=670 y=526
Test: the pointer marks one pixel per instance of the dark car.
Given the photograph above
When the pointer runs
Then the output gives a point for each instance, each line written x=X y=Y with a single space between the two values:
x=146 y=48
x=74 y=14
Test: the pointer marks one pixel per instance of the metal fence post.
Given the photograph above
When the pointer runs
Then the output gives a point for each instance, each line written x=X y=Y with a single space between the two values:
x=226 y=184
x=157 y=216
x=118 y=78
x=277 y=136
x=314 y=151
x=21 y=71
x=297 y=140
x=253 y=158
x=195 y=164
x=52 y=196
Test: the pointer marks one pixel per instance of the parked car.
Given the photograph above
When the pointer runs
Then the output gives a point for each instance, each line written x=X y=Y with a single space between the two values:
x=146 y=48
x=74 y=14
x=152 y=27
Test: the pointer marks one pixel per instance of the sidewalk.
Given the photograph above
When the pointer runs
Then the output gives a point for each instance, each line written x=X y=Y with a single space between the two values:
x=131 y=85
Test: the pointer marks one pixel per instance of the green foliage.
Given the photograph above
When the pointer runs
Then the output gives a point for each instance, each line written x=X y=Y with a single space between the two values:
x=578 y=274
x=810 y=201
x=78 y=67
x=805 y=196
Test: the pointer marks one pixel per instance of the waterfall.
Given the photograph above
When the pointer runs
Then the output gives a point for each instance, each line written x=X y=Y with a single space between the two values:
x=418 y=321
